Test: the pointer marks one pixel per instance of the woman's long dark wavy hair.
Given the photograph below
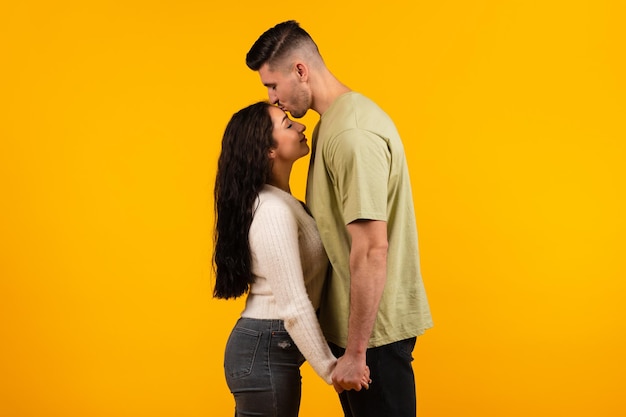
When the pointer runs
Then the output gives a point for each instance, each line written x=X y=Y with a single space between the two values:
x=243 y=168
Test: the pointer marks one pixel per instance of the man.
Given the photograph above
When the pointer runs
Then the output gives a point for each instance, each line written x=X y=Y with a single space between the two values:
x=359 y=193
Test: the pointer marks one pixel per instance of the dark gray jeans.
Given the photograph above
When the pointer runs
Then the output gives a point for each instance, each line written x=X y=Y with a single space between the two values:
x=392 y=391
x=262 y=367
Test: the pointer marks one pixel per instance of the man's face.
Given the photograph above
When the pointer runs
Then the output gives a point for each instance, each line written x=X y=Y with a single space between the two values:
x=286 y=90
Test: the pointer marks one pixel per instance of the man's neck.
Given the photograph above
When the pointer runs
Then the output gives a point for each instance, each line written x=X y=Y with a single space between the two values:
x=325 y=91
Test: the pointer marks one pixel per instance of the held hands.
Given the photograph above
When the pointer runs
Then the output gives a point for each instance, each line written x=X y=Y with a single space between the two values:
x=351 y=374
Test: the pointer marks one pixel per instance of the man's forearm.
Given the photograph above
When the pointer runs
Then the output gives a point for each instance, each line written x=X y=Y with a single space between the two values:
x=368 y=273
x=366 y=288
x=368 y=270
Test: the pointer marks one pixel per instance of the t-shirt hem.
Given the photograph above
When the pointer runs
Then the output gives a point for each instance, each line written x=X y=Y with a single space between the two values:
x=364 y=216
x=377 y=342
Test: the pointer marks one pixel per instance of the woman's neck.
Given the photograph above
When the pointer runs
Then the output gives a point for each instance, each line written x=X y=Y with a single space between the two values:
x=280 y=174
x=282 y=184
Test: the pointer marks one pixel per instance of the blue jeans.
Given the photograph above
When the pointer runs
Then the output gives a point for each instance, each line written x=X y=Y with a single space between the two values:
x=392 y=391
x=262 y=367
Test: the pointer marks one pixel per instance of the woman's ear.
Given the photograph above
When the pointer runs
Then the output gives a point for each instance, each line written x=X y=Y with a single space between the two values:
x=272 y=153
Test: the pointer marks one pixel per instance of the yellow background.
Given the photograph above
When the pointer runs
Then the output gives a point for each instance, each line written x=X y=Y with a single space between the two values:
x=513 y=116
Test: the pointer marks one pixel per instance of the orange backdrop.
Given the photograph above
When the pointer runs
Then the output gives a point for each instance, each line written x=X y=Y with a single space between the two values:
x=111 y=113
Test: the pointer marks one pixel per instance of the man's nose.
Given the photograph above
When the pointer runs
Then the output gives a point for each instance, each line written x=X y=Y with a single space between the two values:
x=273 y=97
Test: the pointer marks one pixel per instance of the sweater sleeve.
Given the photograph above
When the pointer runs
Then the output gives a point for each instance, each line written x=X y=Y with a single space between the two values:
x=274 y=241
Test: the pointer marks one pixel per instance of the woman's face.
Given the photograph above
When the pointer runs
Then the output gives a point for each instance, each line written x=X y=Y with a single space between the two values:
x=291 y=144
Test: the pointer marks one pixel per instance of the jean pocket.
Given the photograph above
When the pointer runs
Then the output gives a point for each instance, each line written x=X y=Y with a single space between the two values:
x=241 y=350
x=284 y=349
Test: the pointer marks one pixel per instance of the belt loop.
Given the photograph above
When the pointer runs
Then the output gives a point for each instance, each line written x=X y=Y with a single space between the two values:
x=278 y=325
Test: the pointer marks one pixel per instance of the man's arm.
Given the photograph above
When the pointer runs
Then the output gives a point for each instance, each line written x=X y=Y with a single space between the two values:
x=368 y=273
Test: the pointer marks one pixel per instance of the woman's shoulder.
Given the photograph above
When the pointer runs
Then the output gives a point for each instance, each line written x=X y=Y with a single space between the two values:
x=270 y=198
x=271 y=194
x=273 y=198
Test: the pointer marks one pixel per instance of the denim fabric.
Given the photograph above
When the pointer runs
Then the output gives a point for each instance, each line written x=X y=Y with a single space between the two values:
x=392 y=391
x=262 y=367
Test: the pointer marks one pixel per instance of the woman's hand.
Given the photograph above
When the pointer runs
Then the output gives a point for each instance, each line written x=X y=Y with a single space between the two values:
x=366 y=380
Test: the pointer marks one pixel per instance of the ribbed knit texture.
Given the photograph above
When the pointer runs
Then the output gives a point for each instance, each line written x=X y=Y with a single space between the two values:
x=289 y=265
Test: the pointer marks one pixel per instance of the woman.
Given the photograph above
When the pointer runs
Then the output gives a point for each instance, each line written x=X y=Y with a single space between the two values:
x=268 y=246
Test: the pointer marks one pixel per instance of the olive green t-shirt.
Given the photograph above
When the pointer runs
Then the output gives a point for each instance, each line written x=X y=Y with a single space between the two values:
x=358 y=170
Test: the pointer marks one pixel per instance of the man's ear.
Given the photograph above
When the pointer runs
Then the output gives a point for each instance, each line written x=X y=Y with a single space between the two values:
x=302 y=71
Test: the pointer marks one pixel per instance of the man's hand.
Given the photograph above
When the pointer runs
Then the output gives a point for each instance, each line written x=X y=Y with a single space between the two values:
x=351 y=373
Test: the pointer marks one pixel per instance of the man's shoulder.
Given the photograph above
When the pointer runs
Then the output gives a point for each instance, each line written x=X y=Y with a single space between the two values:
x=355 y=110
x=355 y=102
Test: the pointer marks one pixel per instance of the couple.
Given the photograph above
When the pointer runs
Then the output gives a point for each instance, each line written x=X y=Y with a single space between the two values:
x=372 y=304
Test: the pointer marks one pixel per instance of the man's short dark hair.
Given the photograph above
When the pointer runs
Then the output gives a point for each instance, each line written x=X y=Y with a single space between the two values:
x=276 y=43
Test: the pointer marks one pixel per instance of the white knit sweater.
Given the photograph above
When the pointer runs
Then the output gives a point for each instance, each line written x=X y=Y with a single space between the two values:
x=289 y=265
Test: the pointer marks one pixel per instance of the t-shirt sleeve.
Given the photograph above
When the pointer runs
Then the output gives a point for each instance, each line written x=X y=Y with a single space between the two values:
x=274 y=239
x=359 y=164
